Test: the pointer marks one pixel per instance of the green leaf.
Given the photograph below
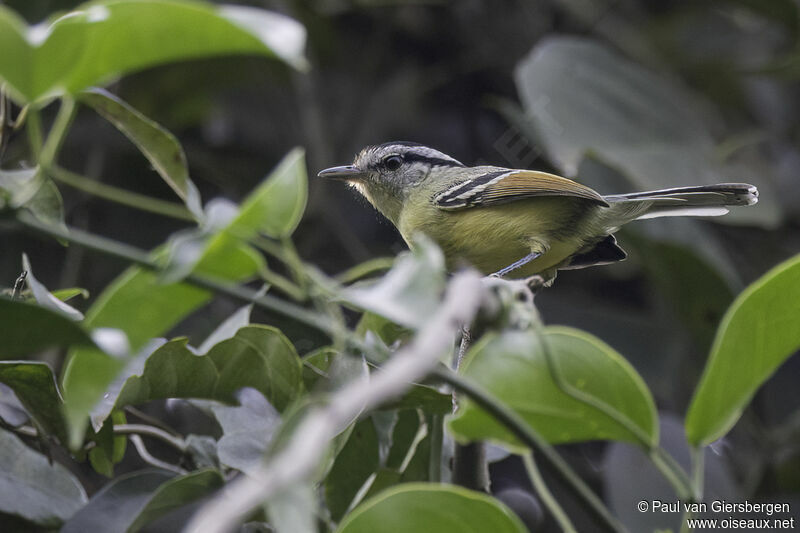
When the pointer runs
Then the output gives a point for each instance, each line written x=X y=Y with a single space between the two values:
x=159 y=146
x=294 y=509
x=130 y=502
x=276 y=206
x=257 y=356
x=43 y=296
x=109 y=448
x=423 y=397
x=70 y=293
x=32 y=190
x=143 y=308
x=28 y=328
x=353 y=466
x=758 y=333
x=415 y=507
x=514 y=368
x=101 y=40
x=35 y=387
x=409 y=293
x=582 y=98
x=33 y=488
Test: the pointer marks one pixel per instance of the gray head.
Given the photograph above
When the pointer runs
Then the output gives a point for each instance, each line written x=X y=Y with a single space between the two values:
x=385 y=172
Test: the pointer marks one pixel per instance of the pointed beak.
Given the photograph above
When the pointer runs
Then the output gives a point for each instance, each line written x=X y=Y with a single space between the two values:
x=347 y=172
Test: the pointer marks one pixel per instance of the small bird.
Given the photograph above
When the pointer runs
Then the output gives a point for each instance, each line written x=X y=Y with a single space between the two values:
x=511 y=222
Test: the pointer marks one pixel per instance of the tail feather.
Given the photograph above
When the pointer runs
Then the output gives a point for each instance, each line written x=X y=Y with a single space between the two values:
x=702 y=200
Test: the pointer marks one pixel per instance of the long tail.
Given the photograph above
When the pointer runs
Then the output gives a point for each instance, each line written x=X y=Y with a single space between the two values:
x=699 y=201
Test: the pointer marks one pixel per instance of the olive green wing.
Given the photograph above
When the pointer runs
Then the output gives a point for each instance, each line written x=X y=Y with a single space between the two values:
x=503 y=185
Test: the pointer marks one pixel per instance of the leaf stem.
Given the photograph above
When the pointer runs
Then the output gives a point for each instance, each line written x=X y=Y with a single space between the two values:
x=545 y=495
x=120 y=196
x=58 y=132
x=149 y=459
x=151 y=431
x=530 y=438
x=34 y=129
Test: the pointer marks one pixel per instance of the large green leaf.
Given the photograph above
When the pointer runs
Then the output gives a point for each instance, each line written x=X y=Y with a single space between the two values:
x=158 y=145
x=759 y=332
x=599 y=396
x=276 y=206
x=30 y=189
x=583 y=98
x=26 y=328
x=101 y=40
x=139 y=305
x=132 y=501
x=34 y=488
x=414 y=507
x=35 y=386
x=256 y=356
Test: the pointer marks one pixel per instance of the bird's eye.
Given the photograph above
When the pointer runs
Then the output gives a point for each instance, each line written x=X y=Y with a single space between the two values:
x=392 y=162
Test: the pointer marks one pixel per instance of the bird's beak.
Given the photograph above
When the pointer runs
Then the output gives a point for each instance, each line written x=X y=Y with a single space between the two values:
x=346 y=173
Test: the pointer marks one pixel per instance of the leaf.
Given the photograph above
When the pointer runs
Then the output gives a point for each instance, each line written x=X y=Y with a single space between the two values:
x=758 y=333
x=130 y=502
x=353 y=466
x=409 y=293
x=276 y=206
x=32 y=488
x=257 y=356
x=294 y=509
x=35 y=387
x=29 y=328
x=247 y=430
x=585 y=99
x=102 y=40
x=423 y=397
x=32 y=190
x=143 y=308
x=70 y=293
x=513 y=367
x=228 y=328
x=414 y=507
x=43 y=296
x=159 y=146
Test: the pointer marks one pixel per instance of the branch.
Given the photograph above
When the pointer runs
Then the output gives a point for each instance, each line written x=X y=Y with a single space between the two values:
x=300 y=457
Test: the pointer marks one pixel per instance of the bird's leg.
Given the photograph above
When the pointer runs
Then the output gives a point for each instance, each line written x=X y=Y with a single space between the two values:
x=516 y=264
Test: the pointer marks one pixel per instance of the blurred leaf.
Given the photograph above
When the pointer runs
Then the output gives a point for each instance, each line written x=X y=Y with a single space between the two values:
x=130 y=502
x=35 y=387
x=414 y=507
x=70 y=293
x=109 y=448
x=584 y=99
x=33 y=488
x=102 y=40
x=513 y=367
x=12 y=412
x=698 y=293
x=353 y=466
x=159 y=146
x=385 y=329
x=29 y=328
x=294 y=509
x=423 y=397
x=276 y=206
x=404 y=435
x=409 y=293
x=316 y=365
x=247 y=430
x=758 y=333
x=43 y=296
x=32 y=190
x=228 y=328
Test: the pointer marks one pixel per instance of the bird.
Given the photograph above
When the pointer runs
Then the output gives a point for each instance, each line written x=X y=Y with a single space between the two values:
x=513 y=223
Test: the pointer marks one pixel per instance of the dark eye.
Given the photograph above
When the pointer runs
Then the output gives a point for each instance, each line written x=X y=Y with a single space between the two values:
x=392 y=162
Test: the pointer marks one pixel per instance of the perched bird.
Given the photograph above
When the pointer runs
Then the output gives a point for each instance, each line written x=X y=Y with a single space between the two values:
x=504 y=221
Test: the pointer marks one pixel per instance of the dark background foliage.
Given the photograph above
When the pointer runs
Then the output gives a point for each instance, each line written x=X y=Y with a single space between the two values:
x=438 y=72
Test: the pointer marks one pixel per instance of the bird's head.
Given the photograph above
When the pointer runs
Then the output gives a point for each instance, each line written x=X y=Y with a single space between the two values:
x=386 y=173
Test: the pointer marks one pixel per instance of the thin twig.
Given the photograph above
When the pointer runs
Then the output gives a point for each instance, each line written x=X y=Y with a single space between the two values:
x=298 y=460
x=148 y=458
x=545 y=495
x=151 y=431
